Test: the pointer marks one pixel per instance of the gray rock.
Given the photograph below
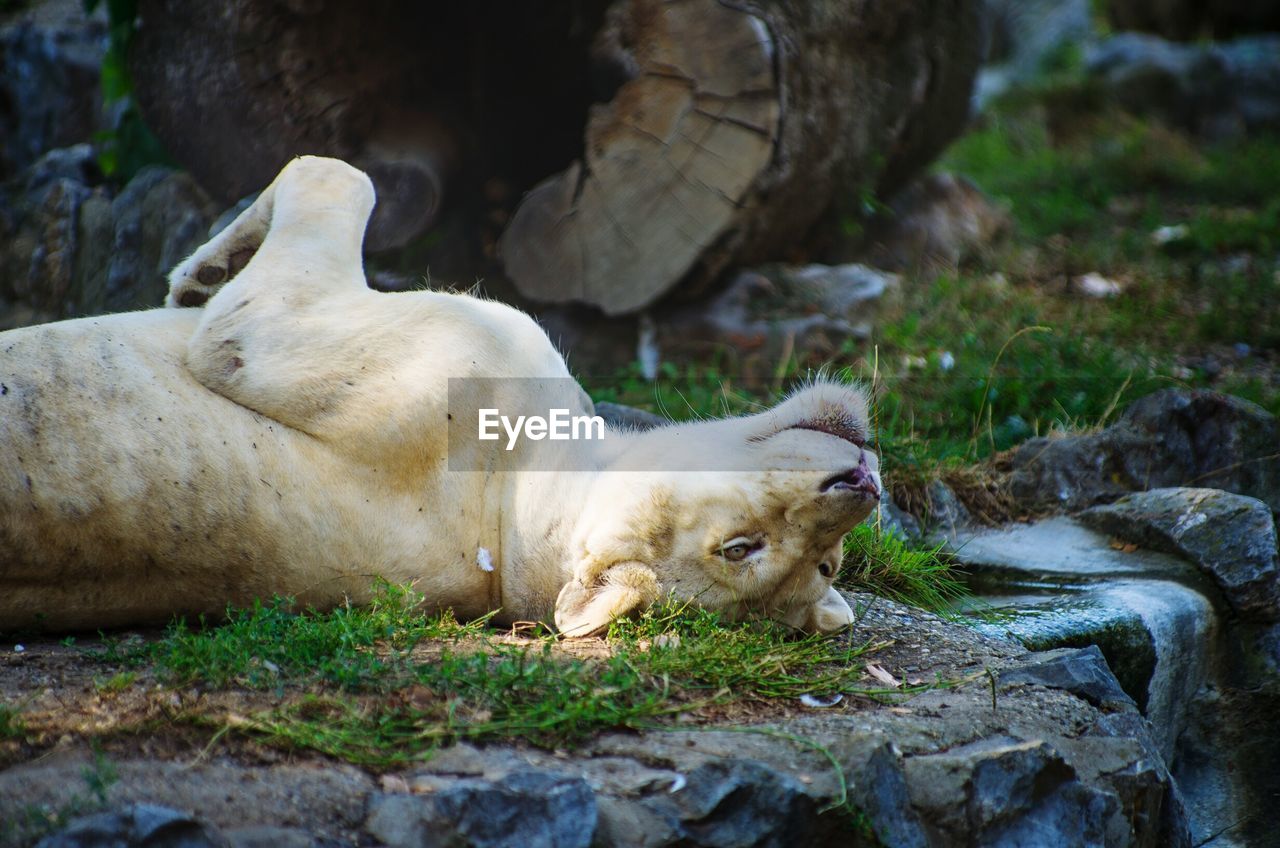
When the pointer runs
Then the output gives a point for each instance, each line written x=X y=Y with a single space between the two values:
x=526 y=809
x=67 y=248
x=160 y=217
x=1230 y=537
x=137 y=826
x=78 y=163
x=946 y=513
x=939 y=221
x=628 y=417
x=1005 y=791
x=1143 y=782
x=807 y=311
x=39 y=242
x=1024 y=38
x=49 y=85
x=731 y=803
x=1149 y=612
x=1219 y=89
x=884 y=797
x=626 y=824
x=1174 y=437
x=893 y=519
x=1081 y=671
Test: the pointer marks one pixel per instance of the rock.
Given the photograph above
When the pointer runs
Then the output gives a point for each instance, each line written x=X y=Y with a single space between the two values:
x=1203 y=682
x=1175 y=437
x=141 y=825
x=726 y=803
x=807 y=311
x=1006 y=791
x=49 y=88
x=1230 y=537
x=1138 y=776
x=946 y=513
x=617 y=415
x=1191 y=19
x=161 y=216
x=1220 y=90
x=894 y=519
x=1024 y=38
x=1096 y=286
x=1147 y=611
x=527 y=809
x=1226 y=766
x=77 y=163
x=1081 y=671
x=939 y=221
x=885 y=798
x=40 y=244
x=68 y=248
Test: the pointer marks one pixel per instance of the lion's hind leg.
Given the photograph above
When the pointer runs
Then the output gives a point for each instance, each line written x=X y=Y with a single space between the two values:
x=194 y=280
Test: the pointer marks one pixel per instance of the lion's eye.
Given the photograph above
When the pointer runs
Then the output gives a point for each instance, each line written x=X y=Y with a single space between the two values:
x=738 y=549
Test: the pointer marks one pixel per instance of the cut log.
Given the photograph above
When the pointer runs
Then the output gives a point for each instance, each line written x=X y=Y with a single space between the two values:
x=667 y=163
x=407 y=91
x=740 y=127
x=645 y=145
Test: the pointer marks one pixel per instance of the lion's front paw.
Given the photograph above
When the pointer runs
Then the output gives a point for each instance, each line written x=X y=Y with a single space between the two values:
x=199 y=277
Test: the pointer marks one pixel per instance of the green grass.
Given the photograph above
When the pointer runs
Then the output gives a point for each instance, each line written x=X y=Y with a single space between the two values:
x=116 y=683
x=11 y=724
x=354 y=686
x=889 y=566
x=272 y=644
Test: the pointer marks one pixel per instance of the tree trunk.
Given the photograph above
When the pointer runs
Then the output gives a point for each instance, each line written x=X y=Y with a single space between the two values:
x=659 y=141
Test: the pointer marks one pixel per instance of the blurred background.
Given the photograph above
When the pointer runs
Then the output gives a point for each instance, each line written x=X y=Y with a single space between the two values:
x=1008 y=217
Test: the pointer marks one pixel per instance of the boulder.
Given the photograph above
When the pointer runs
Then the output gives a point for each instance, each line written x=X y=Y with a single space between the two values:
x=1025 y=38
x=1081 y=671
x=763 y=315
x=1230 y=537
x=1006 y=791
x=159 y=218
x=776 y=312
x=529 y=808
x=148 y=825
x=1218 y=89
x=1175 y=437
x=69 y=248
x=938 y=222
x=49 y=91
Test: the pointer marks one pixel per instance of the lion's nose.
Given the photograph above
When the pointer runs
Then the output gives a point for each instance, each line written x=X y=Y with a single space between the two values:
x=857 y=479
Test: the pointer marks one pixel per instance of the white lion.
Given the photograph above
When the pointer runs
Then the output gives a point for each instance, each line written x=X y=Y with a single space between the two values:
x=295 y=437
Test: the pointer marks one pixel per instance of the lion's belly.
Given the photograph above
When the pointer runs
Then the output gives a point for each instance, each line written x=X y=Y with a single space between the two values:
x=129 y=492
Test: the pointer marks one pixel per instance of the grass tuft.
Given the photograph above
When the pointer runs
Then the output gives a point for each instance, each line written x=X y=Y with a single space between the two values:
x=384 y=685
x=887 y=565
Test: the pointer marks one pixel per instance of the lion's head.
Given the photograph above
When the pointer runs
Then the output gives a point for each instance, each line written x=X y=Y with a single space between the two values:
x=745 y=516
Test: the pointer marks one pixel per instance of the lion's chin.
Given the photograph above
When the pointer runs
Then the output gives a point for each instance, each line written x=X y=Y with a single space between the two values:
x=831 y=614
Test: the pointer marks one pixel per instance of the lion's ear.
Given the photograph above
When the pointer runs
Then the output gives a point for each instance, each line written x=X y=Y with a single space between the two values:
x=585 y=610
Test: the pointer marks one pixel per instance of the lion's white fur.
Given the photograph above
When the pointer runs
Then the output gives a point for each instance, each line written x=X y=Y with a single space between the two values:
x=292 y=438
